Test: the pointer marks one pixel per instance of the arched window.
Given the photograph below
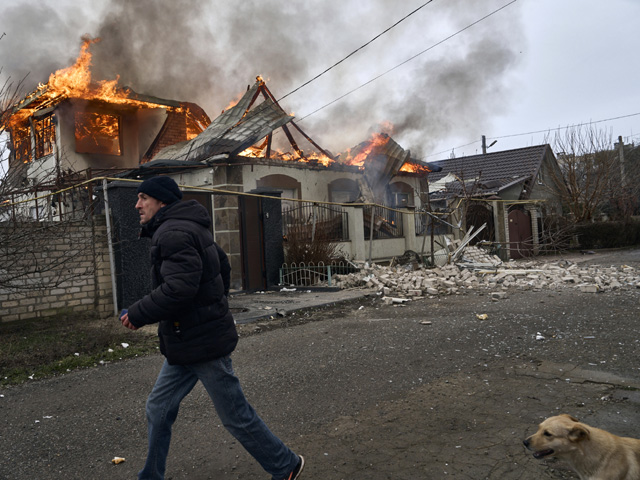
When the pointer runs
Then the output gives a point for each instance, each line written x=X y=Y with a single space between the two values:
x=401 y=194
x=291 y=188
x=343 y=190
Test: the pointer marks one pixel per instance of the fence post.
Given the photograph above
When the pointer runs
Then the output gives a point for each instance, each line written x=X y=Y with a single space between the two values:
x=329 y=274
x=112 y=264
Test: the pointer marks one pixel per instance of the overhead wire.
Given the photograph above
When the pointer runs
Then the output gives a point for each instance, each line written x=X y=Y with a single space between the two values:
x=536 y=132
x=408 y=60
x=356 y=50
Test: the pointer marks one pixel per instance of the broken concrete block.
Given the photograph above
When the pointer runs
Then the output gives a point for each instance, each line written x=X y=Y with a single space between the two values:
x=588 y=288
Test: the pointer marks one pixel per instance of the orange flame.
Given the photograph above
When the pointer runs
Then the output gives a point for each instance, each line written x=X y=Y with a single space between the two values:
x=75 y=82
x=258 y=151
x=414 y=168
x=377 y=140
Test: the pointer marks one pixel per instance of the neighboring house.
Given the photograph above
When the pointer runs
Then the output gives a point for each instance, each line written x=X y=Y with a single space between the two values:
x=512 y=192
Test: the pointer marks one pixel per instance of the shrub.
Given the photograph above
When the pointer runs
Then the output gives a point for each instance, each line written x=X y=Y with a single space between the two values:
x=608 y=234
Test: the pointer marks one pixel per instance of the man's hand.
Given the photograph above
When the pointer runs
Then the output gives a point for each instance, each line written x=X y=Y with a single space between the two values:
x=126 y=323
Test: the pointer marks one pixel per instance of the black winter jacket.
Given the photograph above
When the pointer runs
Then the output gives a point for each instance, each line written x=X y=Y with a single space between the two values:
x=190 y=276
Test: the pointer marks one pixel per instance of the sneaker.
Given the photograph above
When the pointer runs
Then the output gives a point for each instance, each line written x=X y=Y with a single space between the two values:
x=295 y=475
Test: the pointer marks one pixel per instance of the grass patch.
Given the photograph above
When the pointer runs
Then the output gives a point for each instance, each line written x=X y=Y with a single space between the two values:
x=39 y=348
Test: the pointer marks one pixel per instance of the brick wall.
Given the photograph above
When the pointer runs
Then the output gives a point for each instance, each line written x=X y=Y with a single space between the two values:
x=63 y=268
x=173 y=131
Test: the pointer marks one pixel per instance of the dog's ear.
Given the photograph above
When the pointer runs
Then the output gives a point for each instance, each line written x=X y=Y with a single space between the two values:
x=570 y=417
x=578 y=433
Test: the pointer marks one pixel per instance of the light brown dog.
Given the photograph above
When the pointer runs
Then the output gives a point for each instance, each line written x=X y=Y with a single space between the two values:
x=594 y=454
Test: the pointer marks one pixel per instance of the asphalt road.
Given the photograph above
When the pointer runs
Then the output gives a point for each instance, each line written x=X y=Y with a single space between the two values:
x=424 y=390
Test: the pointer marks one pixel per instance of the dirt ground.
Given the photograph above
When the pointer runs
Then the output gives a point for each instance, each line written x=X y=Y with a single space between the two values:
x=425 y=390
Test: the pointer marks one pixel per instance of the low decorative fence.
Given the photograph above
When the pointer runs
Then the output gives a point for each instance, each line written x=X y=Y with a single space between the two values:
x=309 y=274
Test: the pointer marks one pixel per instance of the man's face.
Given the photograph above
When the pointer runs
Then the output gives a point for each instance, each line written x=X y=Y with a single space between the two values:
x=147 y=207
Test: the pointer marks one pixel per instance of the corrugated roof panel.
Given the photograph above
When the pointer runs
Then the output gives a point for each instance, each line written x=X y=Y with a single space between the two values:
x=232 y=132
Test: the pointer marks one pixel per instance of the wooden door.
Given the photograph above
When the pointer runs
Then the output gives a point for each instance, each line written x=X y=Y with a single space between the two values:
x=520 y=237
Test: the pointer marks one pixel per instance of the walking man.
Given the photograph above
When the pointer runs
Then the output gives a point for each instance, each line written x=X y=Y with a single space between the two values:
x=190 y=283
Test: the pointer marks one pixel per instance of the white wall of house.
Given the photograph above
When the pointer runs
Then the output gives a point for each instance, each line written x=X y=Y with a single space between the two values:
x=314 y=183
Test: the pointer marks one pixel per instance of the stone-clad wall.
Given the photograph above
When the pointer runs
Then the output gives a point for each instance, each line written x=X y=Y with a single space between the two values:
x=71 y=258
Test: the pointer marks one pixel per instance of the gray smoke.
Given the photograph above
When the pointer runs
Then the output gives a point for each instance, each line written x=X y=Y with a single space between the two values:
x=208 y=52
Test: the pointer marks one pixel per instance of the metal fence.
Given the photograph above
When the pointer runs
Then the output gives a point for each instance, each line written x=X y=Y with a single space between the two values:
x=386 y=223
x=309 y=274
x=423 y=225
x=330 y=223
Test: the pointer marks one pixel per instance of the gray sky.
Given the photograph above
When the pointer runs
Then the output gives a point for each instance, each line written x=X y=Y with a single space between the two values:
x=532 y=66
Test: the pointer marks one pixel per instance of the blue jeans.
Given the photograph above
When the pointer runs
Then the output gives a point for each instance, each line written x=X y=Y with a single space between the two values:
x=238 y=417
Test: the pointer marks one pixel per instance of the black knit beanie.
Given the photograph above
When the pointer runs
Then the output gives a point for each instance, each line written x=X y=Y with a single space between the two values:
x=162 y=188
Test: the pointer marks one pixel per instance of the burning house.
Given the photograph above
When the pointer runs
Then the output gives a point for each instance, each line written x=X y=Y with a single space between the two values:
x=73 y=128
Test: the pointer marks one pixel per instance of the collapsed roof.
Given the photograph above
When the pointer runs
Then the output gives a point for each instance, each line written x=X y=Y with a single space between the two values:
x=235 y=130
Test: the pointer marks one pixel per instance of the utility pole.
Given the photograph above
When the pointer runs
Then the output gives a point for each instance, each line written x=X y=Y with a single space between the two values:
x=621 y=159
x=484 y=144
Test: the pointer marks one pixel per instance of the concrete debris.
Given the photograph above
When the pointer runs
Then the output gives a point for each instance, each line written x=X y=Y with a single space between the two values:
x=476 y=270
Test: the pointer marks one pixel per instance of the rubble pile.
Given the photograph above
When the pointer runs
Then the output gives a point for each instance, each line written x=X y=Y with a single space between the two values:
x=477 y=270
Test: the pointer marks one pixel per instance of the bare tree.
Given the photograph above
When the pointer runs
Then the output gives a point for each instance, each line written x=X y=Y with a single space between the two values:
x=45 y=233
x=589 y=180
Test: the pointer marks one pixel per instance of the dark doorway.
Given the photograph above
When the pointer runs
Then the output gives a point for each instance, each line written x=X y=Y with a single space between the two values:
x=478 y=215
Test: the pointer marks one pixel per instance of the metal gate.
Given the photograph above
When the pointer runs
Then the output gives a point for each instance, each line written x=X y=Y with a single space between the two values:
x=253 y=260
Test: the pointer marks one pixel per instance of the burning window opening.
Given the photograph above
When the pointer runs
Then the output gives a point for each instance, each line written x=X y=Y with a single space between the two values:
x=44 y=130
x=21 y=141
x=97 y=133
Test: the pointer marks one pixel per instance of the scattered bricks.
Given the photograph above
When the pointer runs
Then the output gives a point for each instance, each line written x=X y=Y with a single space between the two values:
x=394 y=300
x=434 y=291
x=414 y=293
x=498 y=295
x=568 y=279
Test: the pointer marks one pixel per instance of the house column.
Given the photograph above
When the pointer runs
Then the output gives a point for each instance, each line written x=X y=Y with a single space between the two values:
x=535 y=234
x=356 y=233
x=409 y=229
x=501 y=222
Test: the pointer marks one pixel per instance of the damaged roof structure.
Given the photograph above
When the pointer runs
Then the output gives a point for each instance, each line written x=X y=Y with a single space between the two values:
x=237 y=134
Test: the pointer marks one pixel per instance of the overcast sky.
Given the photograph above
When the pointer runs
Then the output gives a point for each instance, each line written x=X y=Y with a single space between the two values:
x=529 y=66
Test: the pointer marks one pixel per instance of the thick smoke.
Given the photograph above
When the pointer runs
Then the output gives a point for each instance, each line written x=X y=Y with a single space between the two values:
x=208 y=52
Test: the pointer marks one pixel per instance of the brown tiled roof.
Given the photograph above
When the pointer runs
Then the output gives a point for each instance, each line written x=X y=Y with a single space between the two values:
x=493 y=171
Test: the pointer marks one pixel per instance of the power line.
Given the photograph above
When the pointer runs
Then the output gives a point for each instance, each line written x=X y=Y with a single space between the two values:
x=356 y=50
x=408 y=60
x=592 y=122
